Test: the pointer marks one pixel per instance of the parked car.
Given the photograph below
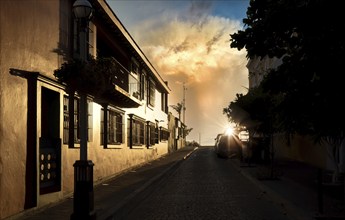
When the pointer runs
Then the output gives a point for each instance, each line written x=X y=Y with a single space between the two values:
x=243 y=136
x=228 y=146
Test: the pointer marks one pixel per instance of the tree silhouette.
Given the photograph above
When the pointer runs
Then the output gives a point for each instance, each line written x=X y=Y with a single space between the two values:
x=178 y=108
x=187 y=131
x=255 y=111
x=312 y=49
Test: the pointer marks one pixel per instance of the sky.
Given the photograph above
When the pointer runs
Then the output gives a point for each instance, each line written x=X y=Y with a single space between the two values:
x=188 y=43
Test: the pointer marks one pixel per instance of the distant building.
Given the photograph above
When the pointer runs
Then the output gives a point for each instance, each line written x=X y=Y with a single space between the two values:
x=39 y=129
x=176 y=129
x=258 y=67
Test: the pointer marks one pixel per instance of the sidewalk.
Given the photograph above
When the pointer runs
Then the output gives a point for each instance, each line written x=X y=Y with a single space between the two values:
x=295 y=189
x=115 y=193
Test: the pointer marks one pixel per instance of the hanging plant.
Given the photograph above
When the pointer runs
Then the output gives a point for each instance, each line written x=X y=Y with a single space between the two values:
x=95 y=77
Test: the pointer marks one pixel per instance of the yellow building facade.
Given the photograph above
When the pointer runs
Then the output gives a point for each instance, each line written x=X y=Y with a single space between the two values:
x=39 y=121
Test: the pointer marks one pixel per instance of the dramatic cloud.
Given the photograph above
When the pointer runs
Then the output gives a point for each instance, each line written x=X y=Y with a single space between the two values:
x=193 y=47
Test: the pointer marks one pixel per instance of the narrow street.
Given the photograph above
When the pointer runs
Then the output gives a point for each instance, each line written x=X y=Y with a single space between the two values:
x=205 y=187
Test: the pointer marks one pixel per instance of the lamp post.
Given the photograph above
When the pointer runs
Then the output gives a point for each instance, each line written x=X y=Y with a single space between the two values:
x=83 y=202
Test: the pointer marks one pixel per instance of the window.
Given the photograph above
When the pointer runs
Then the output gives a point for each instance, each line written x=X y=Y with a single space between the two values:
x=91 y=41
x=134 y=85
x=138 y=132
x=156 y=134
x=143 y=85
x=151 y=93
x=75 y=121
x=89 y=120
x=164 y=106
x=164 y=134
x=114 y=134
x=76 y=43
x=152 y=134
x=134 y=66
x=133 y=79
x=75 y=26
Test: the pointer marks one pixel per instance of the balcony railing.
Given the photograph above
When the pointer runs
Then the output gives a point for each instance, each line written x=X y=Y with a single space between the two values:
x=120 y=76
x=126 y=80
x=134 y=86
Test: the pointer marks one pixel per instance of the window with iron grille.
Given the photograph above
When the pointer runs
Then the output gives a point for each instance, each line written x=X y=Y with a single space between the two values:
x=115 y=127
x=164 y=134
x=76 y=126
x=156 y=134
x=152 y=134
x=138 y=132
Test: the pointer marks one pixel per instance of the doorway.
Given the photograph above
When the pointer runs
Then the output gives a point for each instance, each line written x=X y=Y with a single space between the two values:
x=50 y=143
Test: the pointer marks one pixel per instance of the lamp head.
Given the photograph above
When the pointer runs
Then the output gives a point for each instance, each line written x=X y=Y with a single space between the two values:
x=82 y=9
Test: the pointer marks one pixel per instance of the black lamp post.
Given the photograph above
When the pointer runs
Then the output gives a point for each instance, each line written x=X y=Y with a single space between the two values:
x=83 y=203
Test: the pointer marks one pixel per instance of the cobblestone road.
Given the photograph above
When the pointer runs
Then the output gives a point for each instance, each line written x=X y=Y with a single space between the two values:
x=206 y=187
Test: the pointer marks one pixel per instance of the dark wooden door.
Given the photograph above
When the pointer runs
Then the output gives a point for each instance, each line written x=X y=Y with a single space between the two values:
x=50 y=143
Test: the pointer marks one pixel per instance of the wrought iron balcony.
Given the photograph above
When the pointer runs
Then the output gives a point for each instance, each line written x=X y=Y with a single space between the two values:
x=126 y=86
x=104 y=78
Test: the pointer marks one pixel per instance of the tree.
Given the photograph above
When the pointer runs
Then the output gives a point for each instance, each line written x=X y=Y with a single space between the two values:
x=308 y=36
x=187 y=131
x=255 y=110
x=178 y=107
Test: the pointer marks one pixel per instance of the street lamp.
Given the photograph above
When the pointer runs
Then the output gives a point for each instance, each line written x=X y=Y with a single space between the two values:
x=82 y=9
x=83 y=203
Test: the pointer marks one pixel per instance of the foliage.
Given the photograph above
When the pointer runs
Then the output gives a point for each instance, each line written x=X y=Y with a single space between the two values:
x=254 y=110
x=193 y=143
x=312 y=49
x=178 y=108
x=277 y=28
x=187 y=131
x=95 y=76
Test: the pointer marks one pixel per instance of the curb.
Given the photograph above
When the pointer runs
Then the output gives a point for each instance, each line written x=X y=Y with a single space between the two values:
x=115 y=212
x=190 y=153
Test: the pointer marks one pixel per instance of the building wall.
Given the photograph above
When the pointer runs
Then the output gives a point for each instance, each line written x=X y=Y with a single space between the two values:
x=29 y=33
x=172 y=130
x=176 y=140
x=301 y=148
x=258 y=67
x=34 y=37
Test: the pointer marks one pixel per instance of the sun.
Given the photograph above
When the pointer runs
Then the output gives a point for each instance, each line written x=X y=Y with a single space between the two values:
x=229 y=131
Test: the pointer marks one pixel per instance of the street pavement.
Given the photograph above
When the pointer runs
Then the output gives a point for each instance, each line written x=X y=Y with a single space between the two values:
x=206 y=187
x=294 y=192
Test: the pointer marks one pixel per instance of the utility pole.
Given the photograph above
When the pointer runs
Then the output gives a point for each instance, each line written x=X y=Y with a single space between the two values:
x=184 y=103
